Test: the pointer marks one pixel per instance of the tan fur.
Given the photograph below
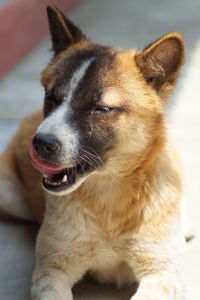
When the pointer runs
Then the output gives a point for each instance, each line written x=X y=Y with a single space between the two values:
x=123 y=223
x=17 y=163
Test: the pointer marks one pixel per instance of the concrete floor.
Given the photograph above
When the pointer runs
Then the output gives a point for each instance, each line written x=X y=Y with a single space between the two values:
x=124 y=23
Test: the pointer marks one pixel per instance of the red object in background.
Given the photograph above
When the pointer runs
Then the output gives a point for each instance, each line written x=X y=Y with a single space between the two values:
x=23 y=23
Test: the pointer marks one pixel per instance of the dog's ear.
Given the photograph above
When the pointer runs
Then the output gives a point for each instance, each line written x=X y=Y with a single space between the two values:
x=161 y=61
x=63 y=32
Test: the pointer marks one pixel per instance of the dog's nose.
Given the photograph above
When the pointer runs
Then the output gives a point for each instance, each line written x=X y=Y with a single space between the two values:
x=46 y=144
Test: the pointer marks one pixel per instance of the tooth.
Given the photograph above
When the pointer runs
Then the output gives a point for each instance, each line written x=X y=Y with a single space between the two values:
x=64 y=178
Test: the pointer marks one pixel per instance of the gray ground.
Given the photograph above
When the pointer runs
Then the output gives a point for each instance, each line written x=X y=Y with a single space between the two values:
x=126 y=23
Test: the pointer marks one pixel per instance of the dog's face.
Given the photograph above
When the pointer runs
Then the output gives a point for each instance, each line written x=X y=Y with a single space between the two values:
x=103 y=107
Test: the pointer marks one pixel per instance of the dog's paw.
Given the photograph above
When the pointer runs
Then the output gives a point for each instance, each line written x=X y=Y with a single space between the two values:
x=50 y=295
x=147 y=297
x=160 y=293
x=44 y=295
x=43 y=291
x=139 y=297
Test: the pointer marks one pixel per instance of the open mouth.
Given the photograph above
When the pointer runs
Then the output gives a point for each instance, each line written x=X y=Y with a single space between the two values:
x=57 y=178
x=63 y=180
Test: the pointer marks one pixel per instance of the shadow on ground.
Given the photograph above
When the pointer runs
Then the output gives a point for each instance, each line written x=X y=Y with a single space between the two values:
x=88 y=288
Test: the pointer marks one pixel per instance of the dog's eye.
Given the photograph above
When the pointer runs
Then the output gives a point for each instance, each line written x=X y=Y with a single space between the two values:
x=104 y=109
x=51 y=98
x=48 y=95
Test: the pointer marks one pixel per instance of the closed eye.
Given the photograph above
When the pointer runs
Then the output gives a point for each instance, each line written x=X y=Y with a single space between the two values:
x=104 y=109
x=51 y=98
x=50 y=102
x=48 y=95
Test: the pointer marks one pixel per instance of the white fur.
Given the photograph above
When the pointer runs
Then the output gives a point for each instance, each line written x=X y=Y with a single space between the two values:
x=76 y=242
x=187 y=225
x=56 y=123
x=76 y=78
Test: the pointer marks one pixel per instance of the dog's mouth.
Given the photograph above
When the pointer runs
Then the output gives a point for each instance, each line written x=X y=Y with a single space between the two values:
x=61 y=181
x=58 y=178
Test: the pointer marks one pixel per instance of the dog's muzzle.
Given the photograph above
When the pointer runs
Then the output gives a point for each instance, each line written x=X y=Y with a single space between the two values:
x=42 y=151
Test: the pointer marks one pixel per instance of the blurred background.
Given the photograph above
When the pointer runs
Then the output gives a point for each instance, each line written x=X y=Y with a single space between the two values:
x=24 y=52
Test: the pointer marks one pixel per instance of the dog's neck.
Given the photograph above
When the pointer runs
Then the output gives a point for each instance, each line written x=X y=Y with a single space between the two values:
x=119 y=201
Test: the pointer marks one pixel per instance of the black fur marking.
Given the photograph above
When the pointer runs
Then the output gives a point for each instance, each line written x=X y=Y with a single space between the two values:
x=61 y=39
x=97 y=135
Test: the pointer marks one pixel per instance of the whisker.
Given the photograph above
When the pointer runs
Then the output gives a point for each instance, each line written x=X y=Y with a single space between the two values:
x=96 y=154
x=87 y=159
x=81 y=165
x=74 y=166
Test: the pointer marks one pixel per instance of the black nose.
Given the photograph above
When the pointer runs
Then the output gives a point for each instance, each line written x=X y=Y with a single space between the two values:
x=46 y=144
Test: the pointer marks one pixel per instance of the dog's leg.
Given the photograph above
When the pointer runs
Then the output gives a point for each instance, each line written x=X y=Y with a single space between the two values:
x=160 y=286
x=12 y=201
x=157 y=267
x=63 y=256
x=54 y=278
x=50 y=284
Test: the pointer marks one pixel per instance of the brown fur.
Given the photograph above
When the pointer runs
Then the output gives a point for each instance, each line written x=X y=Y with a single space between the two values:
x=138 y=170
x=132 y=201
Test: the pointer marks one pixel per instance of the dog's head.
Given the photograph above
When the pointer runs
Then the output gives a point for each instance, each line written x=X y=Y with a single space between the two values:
x=103 y=107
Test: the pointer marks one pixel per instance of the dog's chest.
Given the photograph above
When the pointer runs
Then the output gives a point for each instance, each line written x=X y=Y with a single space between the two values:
x=109 y=266
x=103 y=254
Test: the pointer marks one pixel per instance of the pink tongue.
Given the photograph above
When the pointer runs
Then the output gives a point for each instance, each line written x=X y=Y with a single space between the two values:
x=42 y=166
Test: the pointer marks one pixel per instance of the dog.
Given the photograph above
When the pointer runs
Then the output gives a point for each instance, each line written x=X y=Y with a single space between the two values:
x=97 y=169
